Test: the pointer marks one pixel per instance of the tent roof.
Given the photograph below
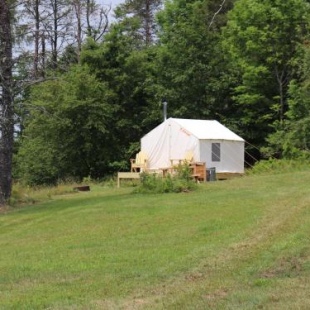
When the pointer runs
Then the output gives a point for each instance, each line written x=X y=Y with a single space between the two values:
x=206 y=129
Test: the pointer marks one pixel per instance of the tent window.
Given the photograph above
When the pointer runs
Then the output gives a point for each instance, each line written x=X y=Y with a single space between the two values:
x=216 y=152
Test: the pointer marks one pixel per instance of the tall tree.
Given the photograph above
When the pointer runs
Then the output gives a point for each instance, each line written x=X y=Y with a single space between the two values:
x=75 y=110
x=54 y=26
x=191 y=64
x=6 y=101
x=292 y=138
x=262 y=38
x=126 y=65
x=140 y=13
x=32 y=9
x=90 y=20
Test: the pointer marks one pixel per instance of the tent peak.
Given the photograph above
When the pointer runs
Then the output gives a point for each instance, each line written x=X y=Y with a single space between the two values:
x=206 y=129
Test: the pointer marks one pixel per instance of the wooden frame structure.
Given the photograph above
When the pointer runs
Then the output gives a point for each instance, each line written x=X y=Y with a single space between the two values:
x=140 y=164
x=199 y=172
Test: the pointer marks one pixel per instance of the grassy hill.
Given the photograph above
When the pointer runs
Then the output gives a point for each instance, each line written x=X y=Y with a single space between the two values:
x=239 y=244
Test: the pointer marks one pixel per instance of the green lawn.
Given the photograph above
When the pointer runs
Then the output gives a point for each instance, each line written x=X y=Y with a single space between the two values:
x=239 y=244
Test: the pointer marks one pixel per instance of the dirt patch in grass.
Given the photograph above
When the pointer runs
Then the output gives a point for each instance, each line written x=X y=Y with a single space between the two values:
x=286 y=267
x=221 y=293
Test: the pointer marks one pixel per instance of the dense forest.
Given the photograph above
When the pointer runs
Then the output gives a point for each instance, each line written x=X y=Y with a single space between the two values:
x=81 y=84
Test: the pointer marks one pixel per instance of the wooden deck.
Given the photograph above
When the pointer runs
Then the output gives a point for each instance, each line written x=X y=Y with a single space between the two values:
x=198 y=173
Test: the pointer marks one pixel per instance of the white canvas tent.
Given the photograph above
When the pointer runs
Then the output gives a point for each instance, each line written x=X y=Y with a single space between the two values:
x=208 y=140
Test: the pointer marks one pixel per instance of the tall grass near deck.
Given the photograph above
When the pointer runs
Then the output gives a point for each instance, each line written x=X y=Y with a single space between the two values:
x=238 y=244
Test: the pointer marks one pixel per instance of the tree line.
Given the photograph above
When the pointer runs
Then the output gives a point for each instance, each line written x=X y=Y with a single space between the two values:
x=82 y=88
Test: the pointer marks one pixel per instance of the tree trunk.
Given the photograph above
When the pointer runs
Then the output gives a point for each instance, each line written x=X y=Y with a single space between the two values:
x=78 y=14
x=6 y=102
x=54 y=35
x=36 y=38
x=148 y=23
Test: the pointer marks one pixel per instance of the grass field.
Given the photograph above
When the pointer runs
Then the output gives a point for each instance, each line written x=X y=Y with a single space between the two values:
x=238 y=244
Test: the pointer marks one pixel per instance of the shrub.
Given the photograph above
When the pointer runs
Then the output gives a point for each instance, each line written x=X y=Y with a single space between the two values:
x=279 y=166
x=181 y=181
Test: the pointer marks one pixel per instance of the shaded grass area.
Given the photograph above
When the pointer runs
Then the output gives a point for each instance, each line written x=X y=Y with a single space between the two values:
x=238 y=244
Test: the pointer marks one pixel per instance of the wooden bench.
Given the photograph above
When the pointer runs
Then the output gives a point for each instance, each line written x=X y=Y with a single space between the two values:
x=127 y=175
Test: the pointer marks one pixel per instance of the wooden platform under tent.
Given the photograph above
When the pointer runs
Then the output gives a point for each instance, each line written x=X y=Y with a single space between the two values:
x=199 y=174
x=140 y=164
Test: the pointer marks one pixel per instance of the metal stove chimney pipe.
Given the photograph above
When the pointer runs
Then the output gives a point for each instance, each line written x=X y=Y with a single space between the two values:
x=165 y=108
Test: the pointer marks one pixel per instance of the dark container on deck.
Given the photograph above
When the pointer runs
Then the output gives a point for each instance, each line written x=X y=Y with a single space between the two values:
x=211 y=174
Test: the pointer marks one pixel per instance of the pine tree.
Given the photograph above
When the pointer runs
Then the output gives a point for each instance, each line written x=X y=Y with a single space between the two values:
x=142 y=14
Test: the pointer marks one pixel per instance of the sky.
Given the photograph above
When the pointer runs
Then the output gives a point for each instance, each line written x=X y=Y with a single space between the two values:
x=114 y=2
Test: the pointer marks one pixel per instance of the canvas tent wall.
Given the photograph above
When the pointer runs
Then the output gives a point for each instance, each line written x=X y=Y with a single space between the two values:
x=208 y=140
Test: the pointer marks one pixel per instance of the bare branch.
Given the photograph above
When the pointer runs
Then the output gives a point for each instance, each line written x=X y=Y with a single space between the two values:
x=217 y=12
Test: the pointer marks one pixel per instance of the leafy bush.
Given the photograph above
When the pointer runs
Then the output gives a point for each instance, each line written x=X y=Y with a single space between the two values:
x=181 y=181
x=279 y=166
